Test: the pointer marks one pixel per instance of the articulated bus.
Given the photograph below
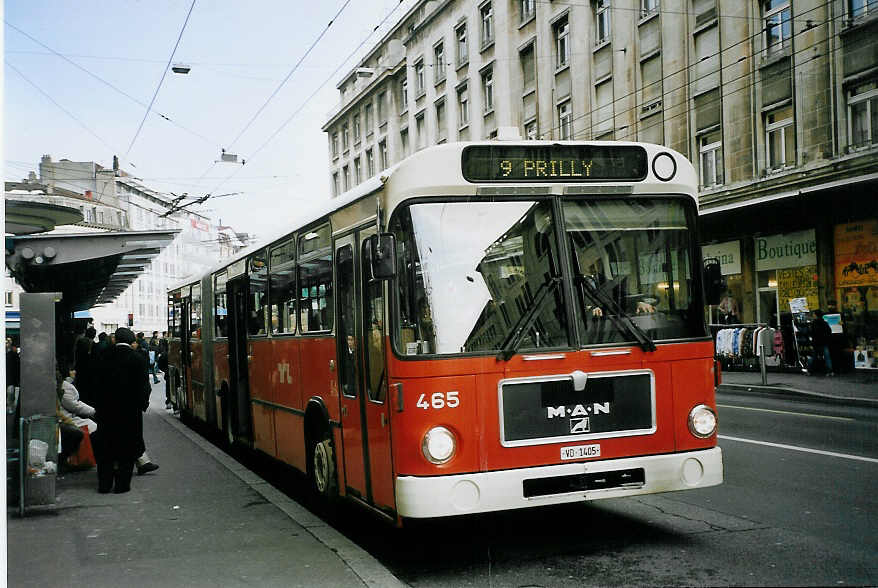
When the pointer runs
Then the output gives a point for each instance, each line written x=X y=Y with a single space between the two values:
x=485 y=326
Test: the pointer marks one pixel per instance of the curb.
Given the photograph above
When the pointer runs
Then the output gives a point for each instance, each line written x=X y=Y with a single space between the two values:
x=790 y=391
x=364 y=565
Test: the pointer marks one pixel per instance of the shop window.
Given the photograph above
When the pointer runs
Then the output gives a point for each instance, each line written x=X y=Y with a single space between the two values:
x=778 y=25
x=780 y=138
x=282 y=288
x=602 y=21
x=710 y=153
x=257 y=303
x=863 y=114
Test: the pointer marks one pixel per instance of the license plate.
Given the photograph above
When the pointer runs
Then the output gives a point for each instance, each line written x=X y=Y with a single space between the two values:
x=580 y=451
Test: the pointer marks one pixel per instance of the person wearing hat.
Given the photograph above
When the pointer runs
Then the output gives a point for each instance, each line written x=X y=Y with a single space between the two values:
x=121 y=397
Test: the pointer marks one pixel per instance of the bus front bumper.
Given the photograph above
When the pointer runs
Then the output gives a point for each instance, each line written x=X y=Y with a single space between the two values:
x=439 y=496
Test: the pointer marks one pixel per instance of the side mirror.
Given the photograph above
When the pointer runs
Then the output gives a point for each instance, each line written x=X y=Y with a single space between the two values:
x=382 y=256
x=714 y=285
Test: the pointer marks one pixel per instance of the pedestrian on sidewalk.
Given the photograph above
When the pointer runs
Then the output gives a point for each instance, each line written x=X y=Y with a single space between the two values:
x=821 y=333
x=122 y=395
x=144 y=463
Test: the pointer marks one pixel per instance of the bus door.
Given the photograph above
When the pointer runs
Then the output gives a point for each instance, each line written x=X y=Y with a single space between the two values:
x=237 y=406
x=359 y=335
x=185 y=389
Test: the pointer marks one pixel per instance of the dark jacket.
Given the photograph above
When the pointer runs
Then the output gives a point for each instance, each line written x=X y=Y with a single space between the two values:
x=820 y=332
x=121 y=397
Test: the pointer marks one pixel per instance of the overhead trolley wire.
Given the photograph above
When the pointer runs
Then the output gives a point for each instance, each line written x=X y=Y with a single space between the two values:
x=289 y=74
x=110 y=85
x=164 y=73
x=311 y=96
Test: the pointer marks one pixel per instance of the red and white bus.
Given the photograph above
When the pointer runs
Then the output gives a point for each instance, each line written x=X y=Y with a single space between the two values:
x=485 y=326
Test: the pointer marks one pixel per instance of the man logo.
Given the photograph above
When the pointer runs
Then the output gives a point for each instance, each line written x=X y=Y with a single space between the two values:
x=579 y=425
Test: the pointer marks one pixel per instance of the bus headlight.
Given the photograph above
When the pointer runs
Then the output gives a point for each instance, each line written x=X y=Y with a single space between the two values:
x=439 y=445
x=702 y=421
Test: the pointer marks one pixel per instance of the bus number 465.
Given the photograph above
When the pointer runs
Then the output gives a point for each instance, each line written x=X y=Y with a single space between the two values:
x=439 y=400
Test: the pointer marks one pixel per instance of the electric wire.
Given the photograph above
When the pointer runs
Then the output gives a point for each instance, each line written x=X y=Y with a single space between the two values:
x=161 y=81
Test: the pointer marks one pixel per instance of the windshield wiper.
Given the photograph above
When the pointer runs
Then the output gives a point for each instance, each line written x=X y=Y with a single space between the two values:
x=516 y=334
x=619 y=317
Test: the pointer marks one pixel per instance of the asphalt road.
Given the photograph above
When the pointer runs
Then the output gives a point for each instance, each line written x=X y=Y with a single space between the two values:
x=798 y=507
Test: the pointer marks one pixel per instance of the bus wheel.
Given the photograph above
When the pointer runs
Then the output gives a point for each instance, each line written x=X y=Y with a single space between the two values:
x=323 y=473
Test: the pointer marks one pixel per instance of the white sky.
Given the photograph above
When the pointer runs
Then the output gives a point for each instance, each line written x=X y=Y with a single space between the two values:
x=239 y=53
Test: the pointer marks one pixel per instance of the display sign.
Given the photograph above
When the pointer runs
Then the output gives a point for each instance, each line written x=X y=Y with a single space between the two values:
x=728 y=254
x=798 y=282
x=786 y=250
x=856 y=254
x=554 y=163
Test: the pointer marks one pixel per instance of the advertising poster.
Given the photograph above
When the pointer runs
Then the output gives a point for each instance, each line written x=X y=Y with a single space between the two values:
x=798 y=282
x=856 y=254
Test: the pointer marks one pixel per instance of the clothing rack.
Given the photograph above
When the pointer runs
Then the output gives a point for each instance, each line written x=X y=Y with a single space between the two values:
x=748 y=346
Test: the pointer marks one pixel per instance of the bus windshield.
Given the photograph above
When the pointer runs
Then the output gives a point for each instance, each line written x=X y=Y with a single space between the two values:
x=488 y=276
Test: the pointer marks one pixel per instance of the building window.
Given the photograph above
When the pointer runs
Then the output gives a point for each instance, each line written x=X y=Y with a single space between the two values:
x=441 y=131
x=370 y=164
x=487 y=18
x=778 y=29
x=562 y=43
x=462 y=47
x=335 y=144
x=863 y=114
x=382 y=153
x=382 y=108
x=462 y=106
x=367 y=119
x=404 y=142
x=357 y=171
x=527 y=9
x=602 y=21
x=488 y=90
x=439 y=62
x=420 y=132
x=403 y=95
x=9 y=299
x=648 y=7
x=345 y=137
x=565 y=121
x=530 y=130
x=336 y=189
x=651 y=85
x=602 y=115
x=357 y=133
x=528 y=68
x=710 y=149
x=860 y=8
x=346 y=173
x=420 y=88
x=780 y=138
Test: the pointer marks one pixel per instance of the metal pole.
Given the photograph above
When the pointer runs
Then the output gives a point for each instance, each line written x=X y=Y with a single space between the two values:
x=762 y=361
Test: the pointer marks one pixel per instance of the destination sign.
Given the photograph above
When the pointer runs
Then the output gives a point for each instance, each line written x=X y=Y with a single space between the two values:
x=553 y=163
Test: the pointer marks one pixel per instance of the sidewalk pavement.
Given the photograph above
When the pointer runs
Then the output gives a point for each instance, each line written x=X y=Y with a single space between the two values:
x=202 y=519
x=858 y=388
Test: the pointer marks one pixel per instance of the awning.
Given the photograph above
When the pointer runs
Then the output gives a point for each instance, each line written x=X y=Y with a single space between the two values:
x=88 y=268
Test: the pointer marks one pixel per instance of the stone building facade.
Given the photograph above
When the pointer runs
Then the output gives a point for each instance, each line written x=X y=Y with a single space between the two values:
x=775 y=101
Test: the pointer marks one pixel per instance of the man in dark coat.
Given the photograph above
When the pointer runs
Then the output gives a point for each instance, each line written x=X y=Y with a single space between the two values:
x=122 y=396
x=83 y=363
x=821 y=334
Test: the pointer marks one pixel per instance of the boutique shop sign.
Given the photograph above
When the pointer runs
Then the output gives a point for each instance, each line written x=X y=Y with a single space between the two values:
x=787 y=250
